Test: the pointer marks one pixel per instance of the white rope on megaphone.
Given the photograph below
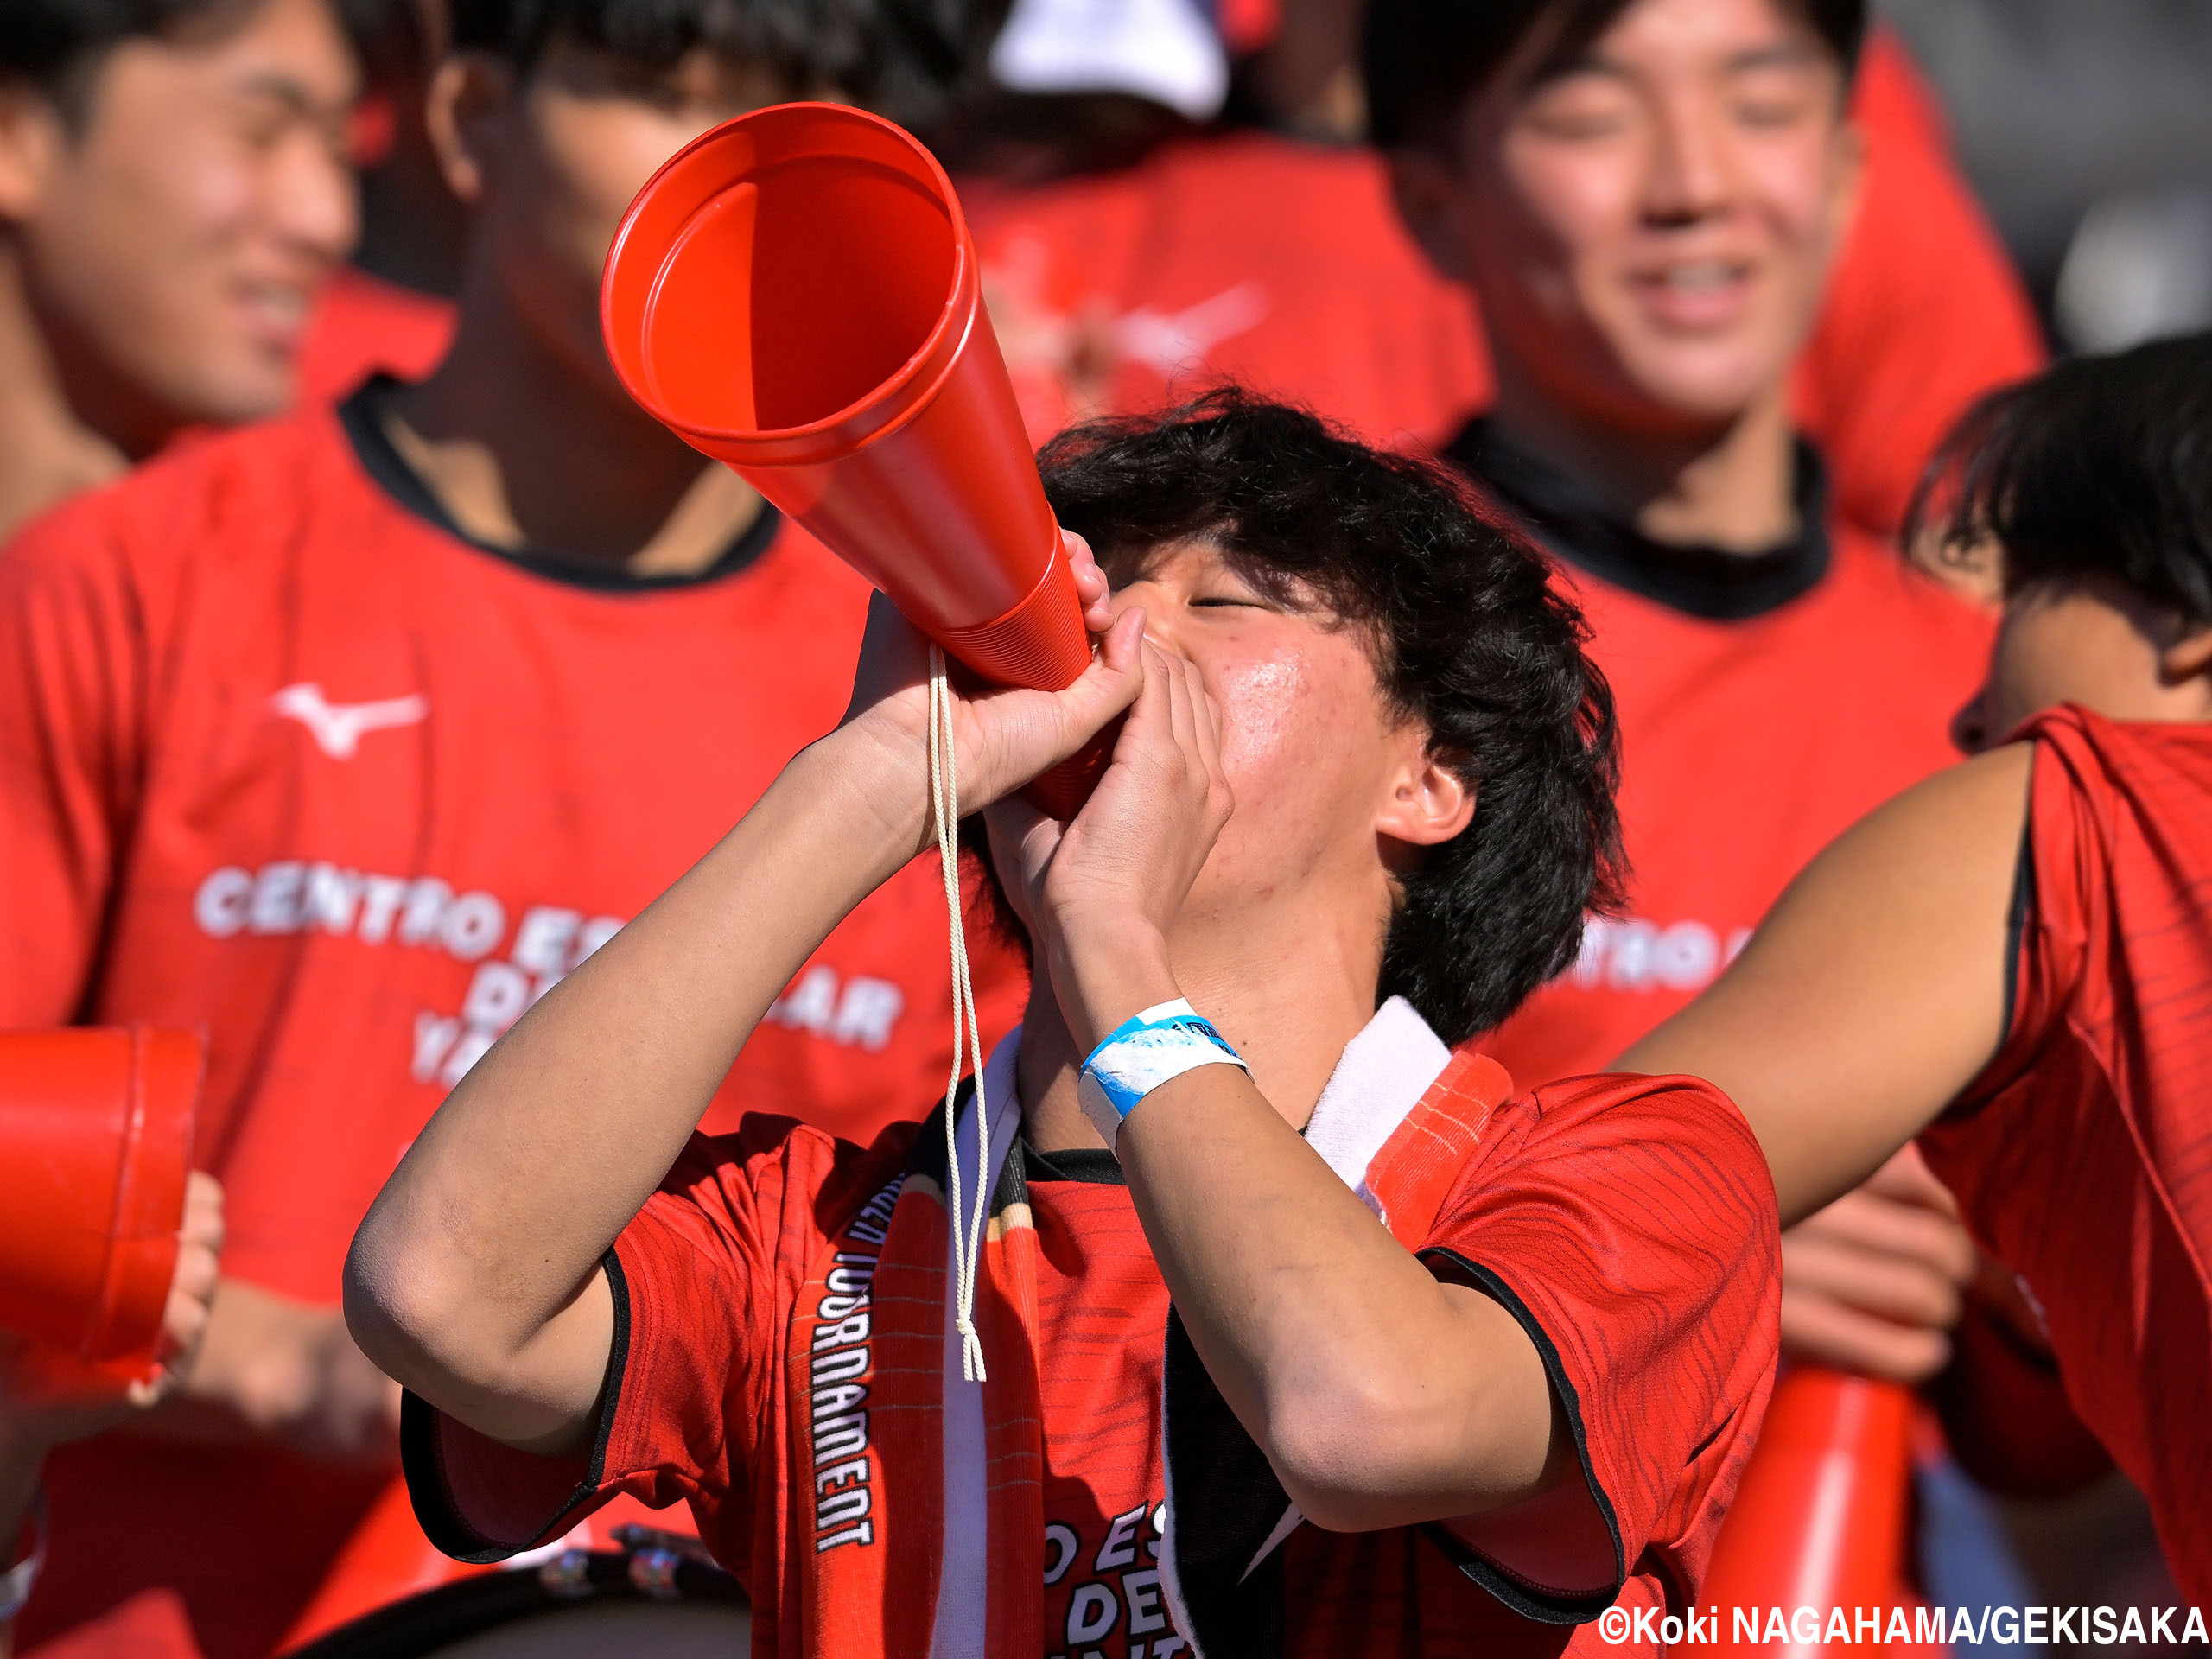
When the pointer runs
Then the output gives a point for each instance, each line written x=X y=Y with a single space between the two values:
x=967 y=1230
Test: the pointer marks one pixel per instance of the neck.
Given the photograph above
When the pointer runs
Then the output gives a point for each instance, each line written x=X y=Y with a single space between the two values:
x=1288 y=993
x=47 y=451
x=522 y=450
x=1726 y=484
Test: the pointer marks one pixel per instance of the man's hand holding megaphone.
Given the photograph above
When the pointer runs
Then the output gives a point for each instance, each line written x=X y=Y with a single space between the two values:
x=1002 y=737
x=49 y=1397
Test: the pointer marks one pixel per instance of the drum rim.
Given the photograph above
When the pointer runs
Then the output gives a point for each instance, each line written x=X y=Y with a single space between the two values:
x=454 y=1612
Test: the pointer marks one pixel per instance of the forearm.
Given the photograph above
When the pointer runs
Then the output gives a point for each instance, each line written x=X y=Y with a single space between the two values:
x=1874 y=991
x=493 y=1226
x=1381 y=1397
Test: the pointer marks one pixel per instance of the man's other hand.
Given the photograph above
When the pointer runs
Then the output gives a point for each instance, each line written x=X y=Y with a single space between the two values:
x=48 y=1398
x=286 y=1370
x=1875 y=1282
x=1099 y=893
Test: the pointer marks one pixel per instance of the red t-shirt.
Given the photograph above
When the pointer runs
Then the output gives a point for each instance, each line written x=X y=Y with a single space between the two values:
x=1243 y=255
x=365 y=326
x=1766 y=705
x=2082 y=1155
x=1284 y=264
x=1626 y=1222
x=283 y=760
x=1924 y=312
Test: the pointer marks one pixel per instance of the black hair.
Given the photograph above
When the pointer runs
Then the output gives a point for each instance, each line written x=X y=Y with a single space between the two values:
x=1425 y=58
x=907 y=59
x=2098 y=464
x=57 y=46
x=1468 y=636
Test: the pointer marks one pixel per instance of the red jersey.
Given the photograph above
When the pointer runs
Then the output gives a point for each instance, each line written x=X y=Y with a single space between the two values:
x=1923 y=312
x=1283 y=264
x=365 y=326
x=2097 y=1102
x=1766 y=703
x=1627 y=1223
x=284 y=757
x=1241 y=256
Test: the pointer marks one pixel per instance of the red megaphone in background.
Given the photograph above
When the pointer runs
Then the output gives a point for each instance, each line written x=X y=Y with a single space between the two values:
x=1819 y=1521
x=95 y=1136
x=796 y=295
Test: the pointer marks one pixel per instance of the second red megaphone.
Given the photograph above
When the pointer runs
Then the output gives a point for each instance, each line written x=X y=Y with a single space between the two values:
x=1819 y=1521
x=95 y=1139
x=796 y=295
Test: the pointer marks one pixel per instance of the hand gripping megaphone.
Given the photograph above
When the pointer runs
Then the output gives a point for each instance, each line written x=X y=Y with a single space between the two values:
x=796 y=295
x=95 y=1137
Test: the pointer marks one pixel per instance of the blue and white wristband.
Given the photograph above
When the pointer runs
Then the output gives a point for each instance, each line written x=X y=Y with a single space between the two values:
x=1141 y=1054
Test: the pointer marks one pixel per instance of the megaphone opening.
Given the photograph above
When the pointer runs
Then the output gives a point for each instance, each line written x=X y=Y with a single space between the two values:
x=794 y=294
x=799 y=279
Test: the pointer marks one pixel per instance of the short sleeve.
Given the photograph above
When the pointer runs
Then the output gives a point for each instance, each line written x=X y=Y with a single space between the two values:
x=73 y=688
x=701 y=1278
x=1629 y=1223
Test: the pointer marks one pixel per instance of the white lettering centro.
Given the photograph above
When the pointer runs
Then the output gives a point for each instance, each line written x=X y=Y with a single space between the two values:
x=289 y=895
x=1634 y=953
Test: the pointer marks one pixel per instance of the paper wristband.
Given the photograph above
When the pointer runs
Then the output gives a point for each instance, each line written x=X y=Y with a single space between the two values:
x=1140 y=1054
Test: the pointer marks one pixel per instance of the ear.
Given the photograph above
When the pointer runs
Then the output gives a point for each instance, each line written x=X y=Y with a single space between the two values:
x=1427 y=193
x=466 y=90
x=2188 y=657
x=1429 y=802
x=31 y=145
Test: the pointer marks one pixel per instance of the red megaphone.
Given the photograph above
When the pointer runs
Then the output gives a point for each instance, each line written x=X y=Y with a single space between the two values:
x=95 y=1136
x=796 y=295
x=1819 y=1521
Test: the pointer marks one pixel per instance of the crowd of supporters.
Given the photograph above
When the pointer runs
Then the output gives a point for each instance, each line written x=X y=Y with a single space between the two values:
x=369 y=661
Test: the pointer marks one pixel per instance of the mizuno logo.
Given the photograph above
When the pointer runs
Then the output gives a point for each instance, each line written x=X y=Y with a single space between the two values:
x=1180 y=340
x=337 y=728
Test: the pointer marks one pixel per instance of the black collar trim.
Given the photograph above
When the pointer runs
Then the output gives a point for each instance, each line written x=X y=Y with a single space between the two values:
x=362 y=417
x=1092 y=1166
x=1709 y=582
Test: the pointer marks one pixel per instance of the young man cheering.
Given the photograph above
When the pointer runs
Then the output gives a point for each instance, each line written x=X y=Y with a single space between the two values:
x=1296 y=1333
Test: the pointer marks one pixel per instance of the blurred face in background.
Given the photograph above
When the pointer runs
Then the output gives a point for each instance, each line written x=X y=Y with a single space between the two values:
x=175 y=223
x=550 y=163
x=1649 y=223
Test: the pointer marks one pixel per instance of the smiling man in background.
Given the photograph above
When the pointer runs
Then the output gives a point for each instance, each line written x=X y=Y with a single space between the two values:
x=1647 y=197
x=173 y=192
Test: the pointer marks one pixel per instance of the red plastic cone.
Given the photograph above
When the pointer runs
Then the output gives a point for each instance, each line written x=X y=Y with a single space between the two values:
x=796 y=295
x=95 y=1137
x=1820 y=1520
